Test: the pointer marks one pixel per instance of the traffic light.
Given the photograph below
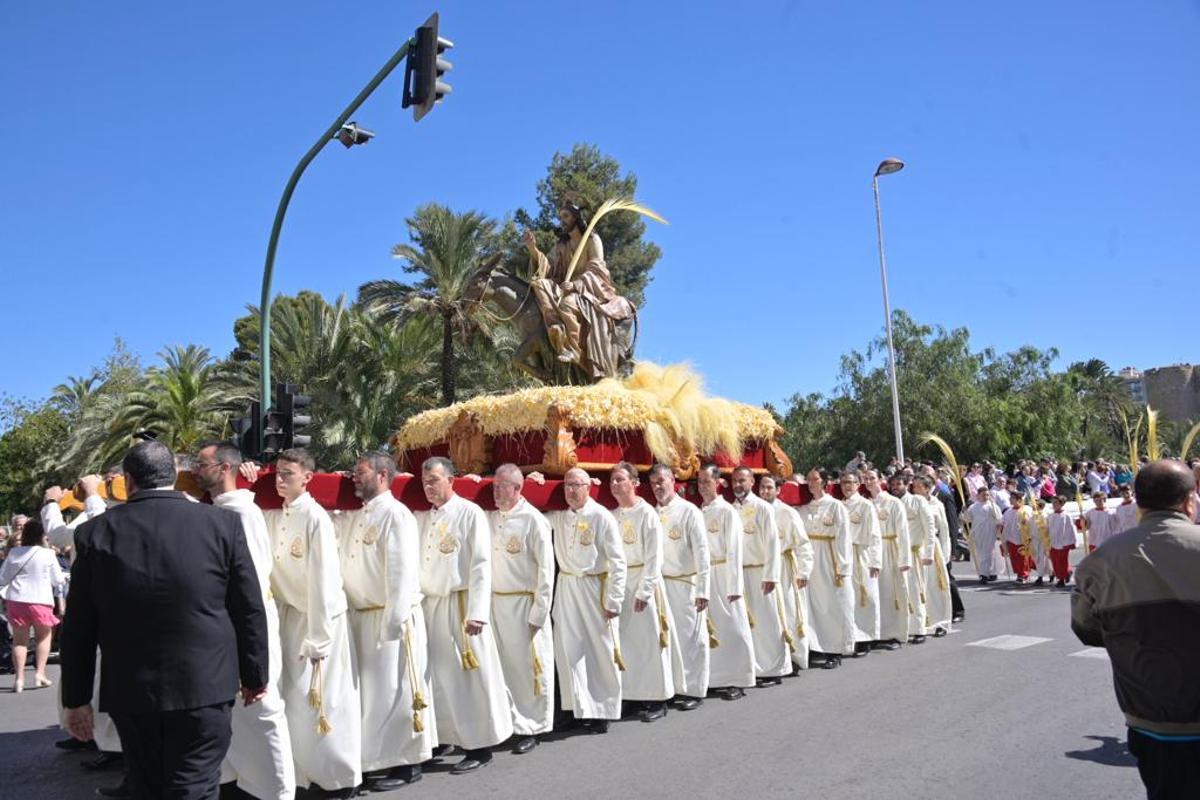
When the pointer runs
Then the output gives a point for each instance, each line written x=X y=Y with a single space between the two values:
x=274 y=437
x=295 y=415
x=245 y=432
x=423 y=71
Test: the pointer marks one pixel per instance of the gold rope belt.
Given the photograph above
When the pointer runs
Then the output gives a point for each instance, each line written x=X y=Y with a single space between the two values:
x=829 y=540
x=511 y=594
x=418 y=701
x=633 y=566
x=863 y=596
x=685 y=577
x=716 y=561
x=896 y=583
x=799 y=599
x=469 y=661
x=749 y=566
x=919 y=568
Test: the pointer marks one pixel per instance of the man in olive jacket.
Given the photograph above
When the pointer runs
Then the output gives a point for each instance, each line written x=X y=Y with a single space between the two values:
x=167 y=589
x=1138 y=596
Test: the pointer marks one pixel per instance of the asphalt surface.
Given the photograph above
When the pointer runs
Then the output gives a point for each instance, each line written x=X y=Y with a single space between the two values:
x=975 y=714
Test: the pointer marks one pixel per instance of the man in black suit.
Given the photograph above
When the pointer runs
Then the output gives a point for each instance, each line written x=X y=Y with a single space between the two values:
x=167 y=589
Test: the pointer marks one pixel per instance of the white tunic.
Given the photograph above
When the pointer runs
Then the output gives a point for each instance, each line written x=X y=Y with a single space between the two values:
x=796 y=556
x=831 y=593
x=645 y=634
x=922 y=534
x=591 y=579
x=894 y=600
x=260 y=753
x=867 y=539
x=1100 y=525
x=939 y=608
x=687 y=568
x=1062 y=530
x=761 y=557
x=1126 y=516
x=380 y=560
x=470 y=698
x=983 y=520
x=522 y=591
x=731 y=656
x=306 y=580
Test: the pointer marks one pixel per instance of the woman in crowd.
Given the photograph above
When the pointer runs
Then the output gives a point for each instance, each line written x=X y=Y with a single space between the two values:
x=29 y=581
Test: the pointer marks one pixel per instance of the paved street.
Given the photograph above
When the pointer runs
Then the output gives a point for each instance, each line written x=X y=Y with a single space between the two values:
x=1010 y=705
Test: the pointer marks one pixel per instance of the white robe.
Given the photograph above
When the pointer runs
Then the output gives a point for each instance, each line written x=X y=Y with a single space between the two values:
x=868 y=546
x=922 y=534
x=646 y=634
x=1062 y=530
x=939 y=606
x=522 y=593
x=894 y=599
x=307 y=583
x=796 y=556
x=259 y=758
x=687 y=568
x=1100 y=526
x=761 y=557
x=471 y=704
x=380 y=559
x=1126 y=517
x=591 y=579
x=983 y=519
x=831 y=591
x=1038 y=528
x=731 y=659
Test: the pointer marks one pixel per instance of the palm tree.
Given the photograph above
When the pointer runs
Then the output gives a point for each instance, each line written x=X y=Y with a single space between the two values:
x=447 y=250
x=75 y=396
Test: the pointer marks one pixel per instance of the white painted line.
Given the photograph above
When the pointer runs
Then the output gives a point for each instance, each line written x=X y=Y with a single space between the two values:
x=1009 y=642
x=1091 y=652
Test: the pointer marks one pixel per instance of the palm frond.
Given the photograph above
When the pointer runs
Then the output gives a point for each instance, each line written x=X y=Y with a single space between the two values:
x=1152 y=443
x=1188 y=439
x=944 y=446
x=618 y=204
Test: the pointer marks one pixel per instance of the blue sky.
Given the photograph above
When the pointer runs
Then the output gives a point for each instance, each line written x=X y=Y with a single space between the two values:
x=1049 y=198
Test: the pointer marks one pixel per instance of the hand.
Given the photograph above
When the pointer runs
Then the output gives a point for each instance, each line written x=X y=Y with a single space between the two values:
x=252 y=696
x=926 y=561
x=249 y=470
x=52 y=495
x=768 y=587
x=471 y=476
x=701 y=603
x=537 y=478
x=611 y=614
x=567 y=286
x=404 y=475
x=733 y=598
x=79 y=722
x=474 y=627
x=595 y=481
x=801 y=583
x=873 y=572
x=639 y=605
x=905 y=569
x=90 y=484
x=530 y=242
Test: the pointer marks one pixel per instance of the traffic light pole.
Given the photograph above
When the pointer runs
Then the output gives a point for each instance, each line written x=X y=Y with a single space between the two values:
x=264 y=338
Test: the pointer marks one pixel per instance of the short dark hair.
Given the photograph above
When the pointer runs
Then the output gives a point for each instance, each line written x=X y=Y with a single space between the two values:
x=770 y=476
x=822 y=473
x=742 y=468
x=1163 y=485
x=33 y=533
x=713 y=471
x=629 y=469
x=151 y=465
x=300 y=457
x=380 y=462
x=225 y=452
x=661 y=467
x=439 y=461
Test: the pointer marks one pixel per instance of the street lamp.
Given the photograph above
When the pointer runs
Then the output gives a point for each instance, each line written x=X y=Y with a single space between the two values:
x=887 y=167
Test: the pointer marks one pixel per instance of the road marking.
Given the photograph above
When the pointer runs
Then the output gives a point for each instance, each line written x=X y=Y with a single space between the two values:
x=1009 y=642
x=1091 y=652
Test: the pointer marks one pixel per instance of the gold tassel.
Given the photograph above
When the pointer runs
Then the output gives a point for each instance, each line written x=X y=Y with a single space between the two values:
x=316 y=701
x=862 y=596
x=617 y=659
x=713 y=641
x=418 y=701
x=663 y=638
x=787 y=638
x=750 y=616
x=323 y=726
x=942 y=584
x=896 y=600
x=469 y=662
x=838 y=580
x=911 y=610
x=418 y=726
x=800 y=629
x=537 y=672
x=923 y=600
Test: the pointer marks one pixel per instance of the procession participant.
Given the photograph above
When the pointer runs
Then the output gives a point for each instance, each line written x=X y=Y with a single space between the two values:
x=644 y=629
x=259 y=758
x=830 y=593
x=796 y=556
x=1099 y=522
x=760 y=563
x=588 y=600
x=1062 y=541
x=686 y=569
x=983 y=520
x=1016 y=527
x=1125 y=516
x=919 y=516
x=731 y=645
x=895 y=561
x=317 y=681
x=470 y=699
x=522 y=591
x=939 y=606
x=865 y=536
x=1000 y=494
x=1040 y=533
x=380 y=560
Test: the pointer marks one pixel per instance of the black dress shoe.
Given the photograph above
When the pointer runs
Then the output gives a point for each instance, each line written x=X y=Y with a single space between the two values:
x=595 y=725
x=957 y=618
x=684 y=703
x=761 y=682
x=104 y=761
x=472 y=760
x=862 y=649
x=1040 y=580
x=916 y=640
x=889 y=644
x=71 y=744
x=832 y=662
x=732 y=693
x=333 y=794
x=397 y=778
x=939 y=633
x=443 y=750
x=652 y=712
x=118 y=792
x=524 y=745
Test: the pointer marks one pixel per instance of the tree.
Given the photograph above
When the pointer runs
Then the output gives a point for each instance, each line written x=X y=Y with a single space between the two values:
x=587 y=177
x=29 y=431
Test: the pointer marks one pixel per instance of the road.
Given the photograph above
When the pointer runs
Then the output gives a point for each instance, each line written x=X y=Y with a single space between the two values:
x=1010 y=704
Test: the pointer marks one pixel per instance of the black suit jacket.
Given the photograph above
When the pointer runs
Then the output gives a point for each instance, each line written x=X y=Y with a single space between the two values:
x=167 y=589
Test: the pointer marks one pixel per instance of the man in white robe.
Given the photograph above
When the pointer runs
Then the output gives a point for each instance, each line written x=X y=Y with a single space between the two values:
x=921 y=533
x=830 y=592
x=588 y=599
x=686 y=571
x=895 y=563
x=259 y=759
x=1099 y=523
x=470 y=698
x=317 y=680
x=731 y=645
x=380 y=560
x=760 y=553
x=644 y=628
x=939 y=607
x=796 y=565
x=983 y=520
x=868 y=561
x=522 y=591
